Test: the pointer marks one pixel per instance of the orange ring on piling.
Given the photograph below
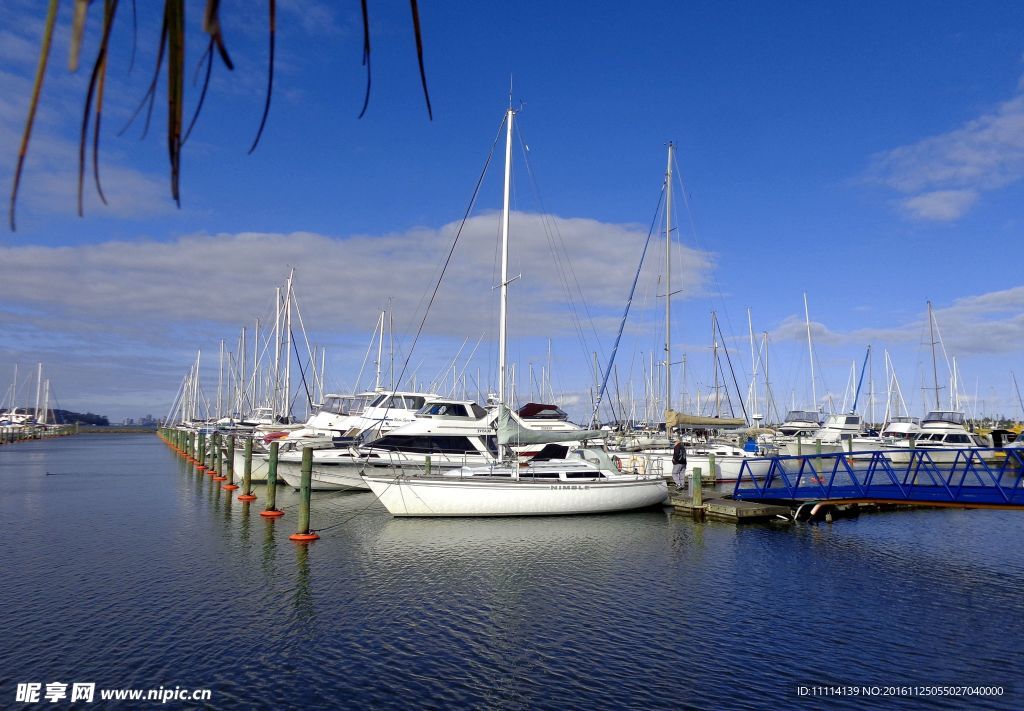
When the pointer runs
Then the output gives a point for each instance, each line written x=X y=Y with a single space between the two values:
x=230 y=487
x=246 y=497
x=303 y=537
x=220 y=478
x=201 y=467
x=272 y=513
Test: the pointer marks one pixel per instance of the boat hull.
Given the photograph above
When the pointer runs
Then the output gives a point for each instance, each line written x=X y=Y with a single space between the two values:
x=258 y=463
x=450 y=496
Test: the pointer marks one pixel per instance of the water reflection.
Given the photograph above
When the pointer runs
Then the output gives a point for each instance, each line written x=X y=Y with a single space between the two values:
x=302 y=597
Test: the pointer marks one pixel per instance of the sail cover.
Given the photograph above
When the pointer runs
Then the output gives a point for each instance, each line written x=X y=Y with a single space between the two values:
x=512 y=430
x=681 y=419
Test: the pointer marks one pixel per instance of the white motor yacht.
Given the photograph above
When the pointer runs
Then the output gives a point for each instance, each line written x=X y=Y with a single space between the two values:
x=834 y=437
x=445 y=434
x=943 y=432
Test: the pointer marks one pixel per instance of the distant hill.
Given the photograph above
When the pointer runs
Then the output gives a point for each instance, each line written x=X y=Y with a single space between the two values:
x=67 y=417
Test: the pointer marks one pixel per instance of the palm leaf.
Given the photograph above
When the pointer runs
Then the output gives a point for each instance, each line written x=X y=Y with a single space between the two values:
x=270 y=75
x=44 y=57
x=419 y=55
x=366 y=56
x=175 y=20
x=77 y=32
x=96 y=81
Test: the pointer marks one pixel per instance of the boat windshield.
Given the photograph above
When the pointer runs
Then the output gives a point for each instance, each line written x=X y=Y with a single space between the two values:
x=951 y=416
x=344 y=404
x=802 y=416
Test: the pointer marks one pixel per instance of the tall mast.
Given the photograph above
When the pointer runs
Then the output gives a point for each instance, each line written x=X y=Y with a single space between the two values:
x=240 y=394
x=277 y=348
x=502 y=314
x=287 y=405
x=668 y=279
x=935 y=370
x=39 y=386
x=220 y=381
x=380 y=350
x=810 y=353
x=714 y=361
x=753 y=369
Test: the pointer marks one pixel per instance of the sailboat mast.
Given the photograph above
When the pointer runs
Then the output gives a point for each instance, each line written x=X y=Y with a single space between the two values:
x=39 y=387
x=810 y=353
x=503 y=310
x=668 y=279
x=714 y=361
x=220 y=381
x=380 y=350
x=935 y=369
x=287 y=404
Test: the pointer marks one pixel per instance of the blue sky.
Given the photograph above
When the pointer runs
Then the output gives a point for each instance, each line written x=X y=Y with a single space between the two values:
x=868 y=154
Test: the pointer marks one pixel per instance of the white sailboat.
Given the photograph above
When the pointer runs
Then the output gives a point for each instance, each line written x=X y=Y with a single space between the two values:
x=583 y=481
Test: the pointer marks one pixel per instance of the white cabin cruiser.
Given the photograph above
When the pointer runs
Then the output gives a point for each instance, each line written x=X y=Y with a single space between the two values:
x=834 y=436
x=898 y=433
x=446 y=434
x=943 y=432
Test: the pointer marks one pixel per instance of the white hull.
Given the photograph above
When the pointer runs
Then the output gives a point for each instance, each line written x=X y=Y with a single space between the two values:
x=259 y=466
x=448 y=496
x=807 y=449
x=727 y=467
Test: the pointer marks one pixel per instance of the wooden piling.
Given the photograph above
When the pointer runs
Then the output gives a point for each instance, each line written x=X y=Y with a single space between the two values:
x=303 y=534
x=247 y=473
x=696 y=489
x=219 y=457
x=271 y=510
x=231 y=486
x=201 y=453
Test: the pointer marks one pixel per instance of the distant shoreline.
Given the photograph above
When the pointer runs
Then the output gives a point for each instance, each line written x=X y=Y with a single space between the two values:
x=116 y=429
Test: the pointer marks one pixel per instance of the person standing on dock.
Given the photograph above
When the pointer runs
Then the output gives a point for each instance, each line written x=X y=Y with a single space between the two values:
x=679 y=463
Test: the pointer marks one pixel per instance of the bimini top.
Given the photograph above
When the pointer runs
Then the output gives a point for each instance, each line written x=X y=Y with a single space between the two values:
x=541 y=411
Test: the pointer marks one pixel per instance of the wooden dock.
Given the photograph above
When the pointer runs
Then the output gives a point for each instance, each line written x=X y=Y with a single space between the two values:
x=728 y=509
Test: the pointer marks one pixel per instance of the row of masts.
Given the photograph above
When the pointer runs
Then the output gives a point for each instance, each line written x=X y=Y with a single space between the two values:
x=40 y=413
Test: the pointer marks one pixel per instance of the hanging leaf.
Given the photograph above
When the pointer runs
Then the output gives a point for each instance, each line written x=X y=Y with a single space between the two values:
x=270 y=74
x=419 y=55
x=96 y=82
x=366 y=56
x=175 y=20
x=77 y=33
x=44 y=57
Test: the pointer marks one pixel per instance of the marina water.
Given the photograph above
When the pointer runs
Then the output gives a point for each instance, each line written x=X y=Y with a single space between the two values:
x=123 y=567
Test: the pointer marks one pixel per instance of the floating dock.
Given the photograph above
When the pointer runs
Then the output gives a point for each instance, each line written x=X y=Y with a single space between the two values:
x=728 y=509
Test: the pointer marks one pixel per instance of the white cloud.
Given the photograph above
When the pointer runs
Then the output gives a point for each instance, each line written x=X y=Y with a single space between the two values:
x=940 y=205
x=146 y=304
x=944 y=174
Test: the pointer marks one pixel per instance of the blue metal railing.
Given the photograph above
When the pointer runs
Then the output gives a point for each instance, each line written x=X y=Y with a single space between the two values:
x=967 y=477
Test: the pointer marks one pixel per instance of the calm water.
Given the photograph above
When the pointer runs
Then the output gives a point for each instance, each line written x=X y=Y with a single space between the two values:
x=122 y=567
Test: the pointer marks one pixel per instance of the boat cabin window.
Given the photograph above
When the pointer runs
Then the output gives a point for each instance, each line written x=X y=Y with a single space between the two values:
x=525 y=473
x=448 y=409
x=584 y=475
x=478 y=412
x=956 y=418
x=425 y=444
x=406 y=402
x=958 y=439
x=853 y=420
